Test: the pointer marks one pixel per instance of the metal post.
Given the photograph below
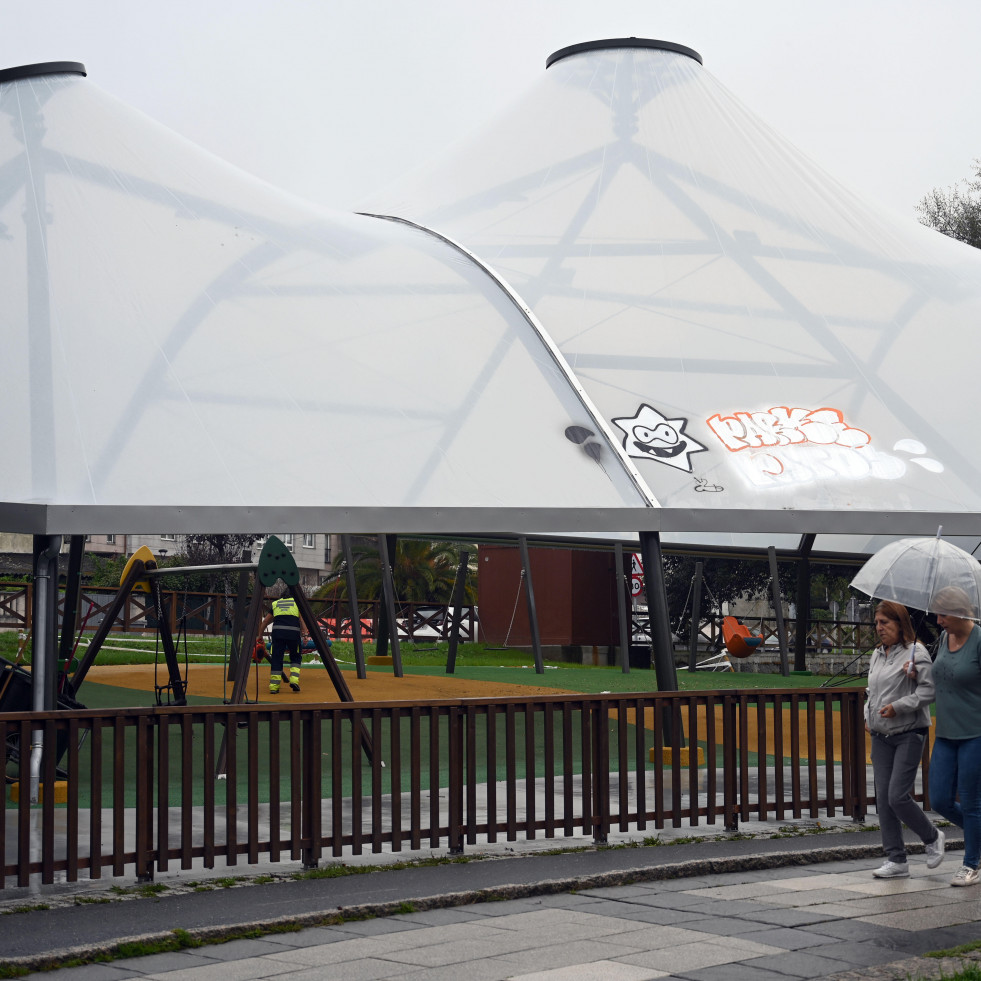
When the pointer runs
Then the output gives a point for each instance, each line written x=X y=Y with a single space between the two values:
x=386 y=552
x=623 y=610
x=778 y=611
x=327 y=658
x=456 y=611
x=657 y=609
x=238 y=621
x=803 y=602
x=45 y=653
x=352 y=598
x=73 y=587
x=249 y=634
x=536 y=642
x=696 y=616
x=242 y=672
x=137 y=572
x=381 y=627
x=44 y=659
x=162 y=609
x=660 y=628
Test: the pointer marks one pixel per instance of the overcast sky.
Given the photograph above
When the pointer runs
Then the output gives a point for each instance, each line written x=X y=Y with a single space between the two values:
x=332 y=99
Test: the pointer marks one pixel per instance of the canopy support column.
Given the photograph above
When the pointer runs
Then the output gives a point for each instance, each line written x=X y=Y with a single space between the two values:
x=623 y=610
x=657 y=609
x=45 y=652
x=660 y=628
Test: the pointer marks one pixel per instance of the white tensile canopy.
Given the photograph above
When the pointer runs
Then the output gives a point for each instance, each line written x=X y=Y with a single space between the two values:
x=188 y=349
x=775 y=355
x=626 y=306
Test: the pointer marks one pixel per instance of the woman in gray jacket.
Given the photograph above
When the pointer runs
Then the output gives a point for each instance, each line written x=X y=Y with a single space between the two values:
x=897 y=713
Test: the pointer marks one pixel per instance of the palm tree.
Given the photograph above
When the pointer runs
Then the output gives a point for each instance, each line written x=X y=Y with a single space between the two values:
x=422 y=572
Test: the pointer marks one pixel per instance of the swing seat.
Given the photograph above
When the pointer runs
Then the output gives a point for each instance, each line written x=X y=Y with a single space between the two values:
x=738 y=640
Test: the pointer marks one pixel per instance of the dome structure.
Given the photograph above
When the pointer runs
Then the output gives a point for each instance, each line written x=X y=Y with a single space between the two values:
x=775 y=355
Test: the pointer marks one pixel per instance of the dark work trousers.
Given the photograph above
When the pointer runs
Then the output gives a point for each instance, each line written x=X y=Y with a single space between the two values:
x=895 y=760
x=283 y=641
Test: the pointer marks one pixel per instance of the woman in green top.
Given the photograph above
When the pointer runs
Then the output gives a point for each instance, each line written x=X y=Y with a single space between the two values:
x=955 y=766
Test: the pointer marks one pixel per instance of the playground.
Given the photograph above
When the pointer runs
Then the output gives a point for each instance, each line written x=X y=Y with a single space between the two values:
x=130 y=685
x=209 y=683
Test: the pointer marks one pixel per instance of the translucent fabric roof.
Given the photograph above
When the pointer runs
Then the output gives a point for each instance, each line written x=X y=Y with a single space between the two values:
x=188 y=349
x=775 y=355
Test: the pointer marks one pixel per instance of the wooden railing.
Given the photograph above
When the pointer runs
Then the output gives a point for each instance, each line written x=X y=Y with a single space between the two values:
x=141 y=788
x=836 y=635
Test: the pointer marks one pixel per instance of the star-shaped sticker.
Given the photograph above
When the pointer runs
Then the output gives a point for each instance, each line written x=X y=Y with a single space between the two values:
x=648 y=435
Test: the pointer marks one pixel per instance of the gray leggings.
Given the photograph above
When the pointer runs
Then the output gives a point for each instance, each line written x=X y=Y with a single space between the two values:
x=895 y=760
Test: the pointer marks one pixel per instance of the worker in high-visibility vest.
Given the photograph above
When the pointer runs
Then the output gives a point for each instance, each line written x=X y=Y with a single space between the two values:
x=285 y=620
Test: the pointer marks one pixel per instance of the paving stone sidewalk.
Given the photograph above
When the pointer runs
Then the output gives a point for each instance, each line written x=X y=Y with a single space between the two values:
x=827 y=920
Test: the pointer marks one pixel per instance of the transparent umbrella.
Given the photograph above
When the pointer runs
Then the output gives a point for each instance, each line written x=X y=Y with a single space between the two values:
x=924 y=574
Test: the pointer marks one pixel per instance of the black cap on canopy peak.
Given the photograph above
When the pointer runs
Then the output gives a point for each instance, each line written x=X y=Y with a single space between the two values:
x=621 y=42
x=45 y=68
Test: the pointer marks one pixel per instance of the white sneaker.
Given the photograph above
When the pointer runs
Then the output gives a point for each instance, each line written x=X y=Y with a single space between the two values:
x=895 y=870
x=965 y=876
x=935 y=850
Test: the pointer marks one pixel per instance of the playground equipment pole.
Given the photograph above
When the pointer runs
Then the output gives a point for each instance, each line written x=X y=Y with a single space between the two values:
x=696 y=615
x=455 y=612
x=803 y=602
x=778 y=611
x=536 y=640
x=352 y=598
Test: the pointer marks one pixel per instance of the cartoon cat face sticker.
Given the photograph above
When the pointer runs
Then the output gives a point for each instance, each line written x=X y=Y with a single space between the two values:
x=649 y=435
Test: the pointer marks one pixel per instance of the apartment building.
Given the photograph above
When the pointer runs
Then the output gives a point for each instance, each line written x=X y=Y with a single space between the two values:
x=313 y=552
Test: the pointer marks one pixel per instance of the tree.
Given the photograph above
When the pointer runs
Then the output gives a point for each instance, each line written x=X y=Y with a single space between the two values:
x=213 y=550
x=724 y=579
x=422 y=572
x=956 y=211
x=106 y=571
x=216 y=549
x=728 y=580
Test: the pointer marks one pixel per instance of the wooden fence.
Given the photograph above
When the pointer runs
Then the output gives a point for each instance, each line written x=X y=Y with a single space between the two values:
x=300 y=785
x=212 y=614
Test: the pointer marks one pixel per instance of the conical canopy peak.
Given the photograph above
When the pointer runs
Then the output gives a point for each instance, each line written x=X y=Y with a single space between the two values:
x=44 y=68
x=621 y=42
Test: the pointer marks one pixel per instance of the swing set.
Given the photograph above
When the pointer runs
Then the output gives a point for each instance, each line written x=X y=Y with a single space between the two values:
x=737 y=640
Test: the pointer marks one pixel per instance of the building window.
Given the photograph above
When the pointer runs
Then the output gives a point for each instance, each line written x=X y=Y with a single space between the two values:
x=110 y=539
x=326 y=549
x=288 y=541
x=168 y=538
x=308 y=541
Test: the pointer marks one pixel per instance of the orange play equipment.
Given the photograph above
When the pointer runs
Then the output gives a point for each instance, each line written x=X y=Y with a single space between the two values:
x=738 y=640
